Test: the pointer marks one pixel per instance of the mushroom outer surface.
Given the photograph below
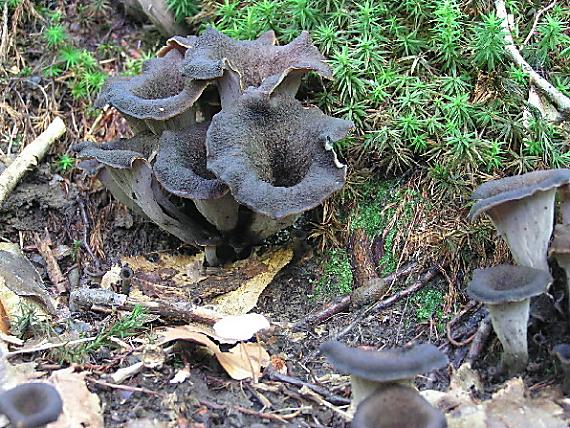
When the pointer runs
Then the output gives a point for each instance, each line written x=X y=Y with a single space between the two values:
x=397 y=406
x=159 y=93
x=389 y=365
x=496 y=192
x=275 y=155
x=507 y=283
x=562 y=352
x=180 y=165
x=31 y=405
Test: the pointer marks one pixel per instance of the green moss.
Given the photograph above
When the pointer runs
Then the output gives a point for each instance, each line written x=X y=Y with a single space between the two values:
x=337 y=275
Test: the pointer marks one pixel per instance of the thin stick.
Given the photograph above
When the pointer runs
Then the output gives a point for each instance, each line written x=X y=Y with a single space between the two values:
x=123 y=387
x=333 y=308
x=535 y=23
x=30 y=156
x=479 y=340
x=48 y=346
x=553 y=94
x=54 y=272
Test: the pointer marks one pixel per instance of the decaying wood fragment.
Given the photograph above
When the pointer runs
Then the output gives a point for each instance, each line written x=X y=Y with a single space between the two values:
x=99 y=299
x=361 y=260
x=30 y=156
x=54 y=272
x=479 y=340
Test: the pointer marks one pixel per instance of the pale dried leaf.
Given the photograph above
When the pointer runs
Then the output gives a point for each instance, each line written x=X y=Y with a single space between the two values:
x=81 y=408
x=244 y=299
x=180 y=376
x=244 y=360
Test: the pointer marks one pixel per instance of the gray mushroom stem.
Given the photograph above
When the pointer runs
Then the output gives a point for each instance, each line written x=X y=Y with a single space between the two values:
x=526 y=224
x=510 y=324
x=562 y=352
x=362 y=388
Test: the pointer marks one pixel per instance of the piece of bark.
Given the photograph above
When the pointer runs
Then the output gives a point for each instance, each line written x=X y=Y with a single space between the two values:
x=55 y=275
x=361 y=259
x=158 y=13
x=99 y=299
x=29 y=156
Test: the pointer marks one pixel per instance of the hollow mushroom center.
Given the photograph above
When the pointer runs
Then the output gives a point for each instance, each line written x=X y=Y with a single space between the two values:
x=281 y=163
x=30 y=402
x=168 y=83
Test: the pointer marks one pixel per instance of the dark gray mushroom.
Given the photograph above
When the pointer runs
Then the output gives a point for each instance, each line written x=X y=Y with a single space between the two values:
x=31 y=405
x=397 y=406
x=240 y=64
x=180 y=43
x=371 y=370
x=522 y=209
x=180 y=168
x=506 y=291
x=562 y=352
x=276 y=156
x=560 y=250
x=132 y=177
x=159 y=98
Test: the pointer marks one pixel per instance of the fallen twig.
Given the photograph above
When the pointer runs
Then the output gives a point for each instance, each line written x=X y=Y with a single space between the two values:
x=331 y=398
x=554 y=95
x=421 y=282
x=30 y=156
x=361 y=260
x=123 y=387
x=333 y=308
x=472 y=304
x=99 y=299
x=479 y=340
x=48 y=346
x=84 y=239
x=54 y=272
x=536 y=19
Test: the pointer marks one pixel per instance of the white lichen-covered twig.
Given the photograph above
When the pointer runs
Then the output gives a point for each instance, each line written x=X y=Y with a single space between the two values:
x=561 y=101
x=30 y=156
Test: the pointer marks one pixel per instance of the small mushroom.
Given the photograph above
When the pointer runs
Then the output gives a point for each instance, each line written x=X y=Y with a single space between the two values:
x=506 y=291
x=560 y=250
x=159 y=98
x=397 y=406
x=180 y=43
x=522 y=209
x=239 y=64
x=275 y=156
x=371 y=370
x=562 y=352
x=31 y=405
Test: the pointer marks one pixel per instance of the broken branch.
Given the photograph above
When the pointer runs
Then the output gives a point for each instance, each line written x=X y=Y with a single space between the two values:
x=99 y=299
x=30 y=156
x=479 y=340
x=53 y=270
x=554 y=95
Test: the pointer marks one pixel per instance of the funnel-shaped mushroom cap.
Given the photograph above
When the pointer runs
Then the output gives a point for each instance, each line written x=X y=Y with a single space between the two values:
x=560 y=245
x=507 y=283
x=159 y=93
x=397 y=406
x=119 y=153
x=497 y=192
x=275 y=155
x=562 y=352
x=181 y=164
x=180 y=43
x=387 y=365
x=253 y=60
x=31 y=405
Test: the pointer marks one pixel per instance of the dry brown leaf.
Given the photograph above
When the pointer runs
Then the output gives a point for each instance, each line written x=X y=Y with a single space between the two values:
x=81 y=408
x=244 y=360
x=21 y=287
x=240 y=362
x=12 y=375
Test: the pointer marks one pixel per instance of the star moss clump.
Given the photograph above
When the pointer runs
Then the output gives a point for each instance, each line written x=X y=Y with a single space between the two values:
x=223 y=152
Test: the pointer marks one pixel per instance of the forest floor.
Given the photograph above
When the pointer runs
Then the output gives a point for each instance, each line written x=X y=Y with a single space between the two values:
x=88 y=232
